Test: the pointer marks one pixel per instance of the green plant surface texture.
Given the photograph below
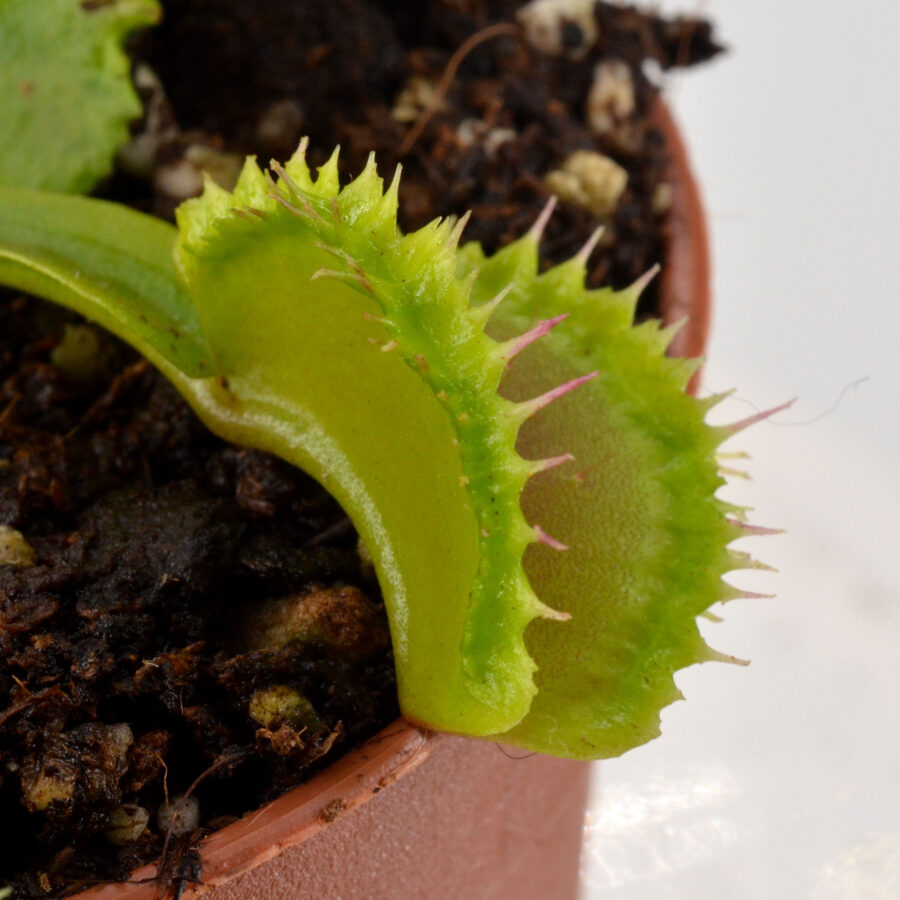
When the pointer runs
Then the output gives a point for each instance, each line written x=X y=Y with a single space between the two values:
x=66 y=96
x=636 y=507
x=109 y=263
x=534 y=486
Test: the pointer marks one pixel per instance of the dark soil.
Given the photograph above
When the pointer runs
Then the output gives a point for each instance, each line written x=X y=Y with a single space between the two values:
x=154 y=542
x=127 y=667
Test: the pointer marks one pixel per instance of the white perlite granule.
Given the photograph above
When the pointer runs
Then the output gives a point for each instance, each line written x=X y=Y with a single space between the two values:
x=611 y=97
x=559 y=27
x=591 y=180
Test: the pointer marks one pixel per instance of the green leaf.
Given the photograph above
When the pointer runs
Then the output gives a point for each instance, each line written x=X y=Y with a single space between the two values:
x=636 y=507
x=414 y=381
x=109 y=263
x=65 y=90
x=351 y=350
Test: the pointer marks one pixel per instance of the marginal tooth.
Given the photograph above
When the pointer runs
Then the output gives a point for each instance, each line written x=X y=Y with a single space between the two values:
x=741 y=513
x=270 y=183
x=536 y=466
x=741 y=594
x=729 y=592
x=458 y=228
x=328 y=181
x=548 y=612
x=243 y=213
x=684 y=368
x=734 y=473
x=516 y=345
x=387 y=205
x=710 y=617
x=707 y=403
x=637 y=287
x=348 y=277
x=668 y=332
x=540 y=223
x=527 y=409
x=715 y=656
x=753 y=530
x=583 y=255
x=481 y=314
x=542 y=537
x=744 y=560
x=297 y=164
x=337 y=252
x=279 y=170
x=735 y=427
x=305 y=208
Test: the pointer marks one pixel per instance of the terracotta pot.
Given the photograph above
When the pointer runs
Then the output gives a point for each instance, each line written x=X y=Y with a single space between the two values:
x=415 y=814
x=685 y=279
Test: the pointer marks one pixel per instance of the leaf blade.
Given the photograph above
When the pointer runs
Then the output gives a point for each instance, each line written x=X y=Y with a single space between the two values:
x=65 y=91
x=109 y=263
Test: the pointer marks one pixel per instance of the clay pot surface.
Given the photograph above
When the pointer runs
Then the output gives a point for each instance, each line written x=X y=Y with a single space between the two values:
x=417 y=814
x=685 y=279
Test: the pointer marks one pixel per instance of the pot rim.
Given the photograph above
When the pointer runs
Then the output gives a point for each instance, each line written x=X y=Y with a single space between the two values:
x=401 y=747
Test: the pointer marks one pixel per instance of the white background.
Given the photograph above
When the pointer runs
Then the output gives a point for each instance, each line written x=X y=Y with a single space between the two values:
x=781 y=780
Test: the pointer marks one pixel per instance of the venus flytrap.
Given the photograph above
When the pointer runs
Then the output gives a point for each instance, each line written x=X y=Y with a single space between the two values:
x=535 y=488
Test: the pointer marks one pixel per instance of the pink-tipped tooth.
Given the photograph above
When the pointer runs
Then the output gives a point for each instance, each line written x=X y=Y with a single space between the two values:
x=544 y=538
x=638 y=286
x=518 y=344
x=584 y=254
x=735 y=427
x=540 y=223
x=548 y=612
x=530 y=407
x=741 y=594
x=536 y=466
x=753 y=530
